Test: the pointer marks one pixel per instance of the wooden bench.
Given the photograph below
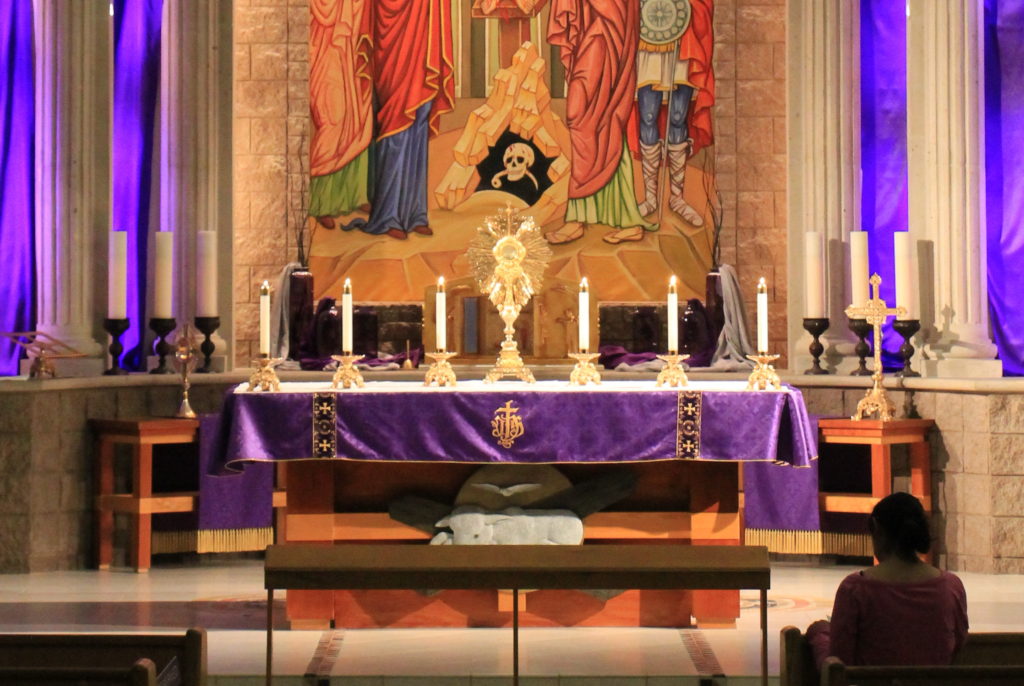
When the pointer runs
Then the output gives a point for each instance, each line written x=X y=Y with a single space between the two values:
x=141 y=673
x=111 y=652
x=986 y=658
x=583 y=567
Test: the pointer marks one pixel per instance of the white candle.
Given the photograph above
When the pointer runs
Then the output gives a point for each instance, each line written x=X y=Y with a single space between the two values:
x=163 y=267
x=906 y=291
x=441 y=316
x=117 y=276
x=206 y=274
x=859 y=268
x=814 y=275
x=762 y=317
x=346 y=318
x=673 y=317
x=265 y=319
x=584 y=316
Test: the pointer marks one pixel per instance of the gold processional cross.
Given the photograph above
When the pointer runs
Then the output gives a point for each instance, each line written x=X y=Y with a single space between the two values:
x=875 y=312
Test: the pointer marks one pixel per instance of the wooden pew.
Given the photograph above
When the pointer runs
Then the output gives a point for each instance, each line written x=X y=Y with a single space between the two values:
x=141 y=673
x=986 y=658
x=184 y=653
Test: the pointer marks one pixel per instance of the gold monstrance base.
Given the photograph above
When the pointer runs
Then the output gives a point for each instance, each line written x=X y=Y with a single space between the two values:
x=764 y=374
x=347 y=375
x=509 y=364
x=441 y=370
x=264 y=378
x=672 y=373
x=584 y=372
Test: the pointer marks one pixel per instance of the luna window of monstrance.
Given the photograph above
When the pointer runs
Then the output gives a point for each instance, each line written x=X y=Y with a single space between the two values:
x=508 y=258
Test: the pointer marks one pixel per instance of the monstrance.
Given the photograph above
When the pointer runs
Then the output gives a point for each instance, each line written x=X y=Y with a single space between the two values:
x=508 y=258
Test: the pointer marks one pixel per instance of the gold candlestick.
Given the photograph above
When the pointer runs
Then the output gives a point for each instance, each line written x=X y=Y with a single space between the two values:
x=440 y=370
x=764 y=374
x=672 y=373
x=875 y=312
x=585 y=371
x=347 y=375
x=264 y=378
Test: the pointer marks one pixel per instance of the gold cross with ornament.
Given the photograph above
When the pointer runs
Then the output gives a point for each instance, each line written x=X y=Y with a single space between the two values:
x=875 y=312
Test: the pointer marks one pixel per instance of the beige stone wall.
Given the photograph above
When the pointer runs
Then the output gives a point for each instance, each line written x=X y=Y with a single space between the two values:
x=750 y=135
x=271 y=99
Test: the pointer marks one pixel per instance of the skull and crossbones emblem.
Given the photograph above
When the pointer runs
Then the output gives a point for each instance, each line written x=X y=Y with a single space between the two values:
x=518 y=159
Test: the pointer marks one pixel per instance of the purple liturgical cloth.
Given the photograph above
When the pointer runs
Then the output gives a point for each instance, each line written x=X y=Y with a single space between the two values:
x=231 y=501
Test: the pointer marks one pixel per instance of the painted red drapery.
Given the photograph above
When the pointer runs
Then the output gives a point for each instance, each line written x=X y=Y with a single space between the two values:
x=697 y=45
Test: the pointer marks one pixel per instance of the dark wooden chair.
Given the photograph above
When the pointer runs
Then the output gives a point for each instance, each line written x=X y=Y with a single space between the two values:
x=176 y=658
x=986 y=658
x=141 y=673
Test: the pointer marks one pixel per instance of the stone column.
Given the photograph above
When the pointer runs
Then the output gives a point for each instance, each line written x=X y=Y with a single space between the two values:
x=72 y=205
x=824 y=161
x=195 y=192
x=945 y=151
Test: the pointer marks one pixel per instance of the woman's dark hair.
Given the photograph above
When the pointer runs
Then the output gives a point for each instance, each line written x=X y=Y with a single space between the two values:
x=900 y=517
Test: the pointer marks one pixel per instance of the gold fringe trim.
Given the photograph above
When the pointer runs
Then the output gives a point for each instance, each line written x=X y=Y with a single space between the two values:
x=212 y=540
x=658 y=47
x=786 y=542
x=854 y=545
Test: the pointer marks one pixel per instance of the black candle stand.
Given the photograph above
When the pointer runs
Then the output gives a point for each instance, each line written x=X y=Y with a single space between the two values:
x=207 y=325
x=816 y=326
x=862 y=329
x=116 y=329
x=907 y=328
x=162 y=326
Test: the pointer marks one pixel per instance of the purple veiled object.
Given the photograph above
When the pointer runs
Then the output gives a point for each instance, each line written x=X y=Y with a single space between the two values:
x=614 y=355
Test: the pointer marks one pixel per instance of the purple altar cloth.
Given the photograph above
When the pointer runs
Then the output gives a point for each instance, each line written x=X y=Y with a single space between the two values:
x=231 y=501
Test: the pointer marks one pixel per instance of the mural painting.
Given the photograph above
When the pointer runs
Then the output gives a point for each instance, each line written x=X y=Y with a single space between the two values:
x=592 y=116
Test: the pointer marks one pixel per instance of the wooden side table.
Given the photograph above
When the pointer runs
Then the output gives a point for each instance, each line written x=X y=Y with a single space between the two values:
x=140 y=504
x=881 y=436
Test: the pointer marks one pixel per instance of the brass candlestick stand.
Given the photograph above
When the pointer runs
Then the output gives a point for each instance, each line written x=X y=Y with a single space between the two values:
x=185 y=356
x=347 y=375
x=672 y=373
x=264 y=378
x=440 y=371
x=585 y=371
x=875 y=312
x=764 y=374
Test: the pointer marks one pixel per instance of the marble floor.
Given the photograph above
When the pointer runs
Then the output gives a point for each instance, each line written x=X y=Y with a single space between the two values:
x=226 y=597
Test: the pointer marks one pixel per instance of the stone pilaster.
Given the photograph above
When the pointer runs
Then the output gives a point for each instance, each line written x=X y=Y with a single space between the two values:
x=824 y=160
x=945 y=151
x=72 y=206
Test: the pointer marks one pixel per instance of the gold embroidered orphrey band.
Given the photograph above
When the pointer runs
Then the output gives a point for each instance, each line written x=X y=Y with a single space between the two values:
x=325 y=432
x=688 y=425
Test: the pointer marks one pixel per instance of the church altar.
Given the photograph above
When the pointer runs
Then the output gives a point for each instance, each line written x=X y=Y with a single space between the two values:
x=349 y=453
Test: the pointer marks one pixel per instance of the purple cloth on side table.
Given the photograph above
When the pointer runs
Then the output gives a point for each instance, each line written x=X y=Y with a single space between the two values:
x=232 y=500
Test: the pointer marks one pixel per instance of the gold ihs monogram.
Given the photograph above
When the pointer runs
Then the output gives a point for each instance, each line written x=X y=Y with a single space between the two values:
x=507 y=425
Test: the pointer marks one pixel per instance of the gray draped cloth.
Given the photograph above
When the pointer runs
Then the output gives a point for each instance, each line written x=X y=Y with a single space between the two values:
x=733 y=342
x=279 y=299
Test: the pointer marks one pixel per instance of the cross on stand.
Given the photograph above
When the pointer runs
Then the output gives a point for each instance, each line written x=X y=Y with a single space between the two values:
x=875 y=312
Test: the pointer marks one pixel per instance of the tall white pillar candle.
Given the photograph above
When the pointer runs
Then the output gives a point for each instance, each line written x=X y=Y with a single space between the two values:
x=814 y=275
x=906 y=291
x=762 y=317
x=346 y=318
x=206 y=274
x=163 y=268
x=673 y=317
x=859 y=268
x=441 y=316
x=265 y=319
x=584 y=316
x=117 y=275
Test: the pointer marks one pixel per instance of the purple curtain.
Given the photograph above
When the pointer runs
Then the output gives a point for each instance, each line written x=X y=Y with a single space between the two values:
x=17 y=130
x=136 y=86
x=883 y=139
x=1004 y=167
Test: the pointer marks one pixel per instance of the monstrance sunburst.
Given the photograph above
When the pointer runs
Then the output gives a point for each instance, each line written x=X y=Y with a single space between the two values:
x=508 y=258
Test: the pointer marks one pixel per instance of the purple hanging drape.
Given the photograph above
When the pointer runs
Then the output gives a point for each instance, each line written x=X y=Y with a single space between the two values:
x=17 y=130
x=136 y=86
x=883 y=139
x=1004 y=168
